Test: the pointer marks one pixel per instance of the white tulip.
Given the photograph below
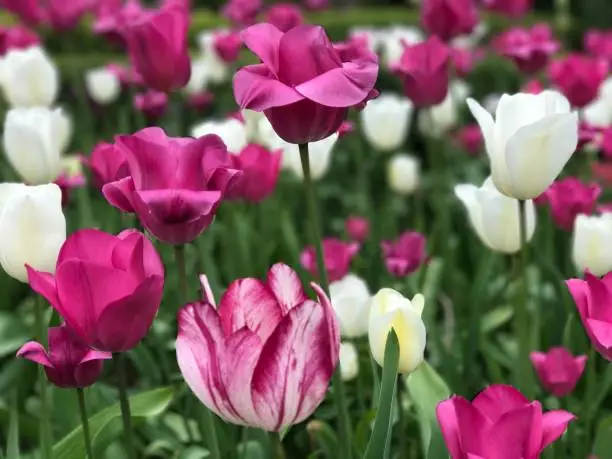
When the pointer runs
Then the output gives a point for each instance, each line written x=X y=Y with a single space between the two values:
x=29 y=78
x=373 y=36
x=217 y=68
x=349 y=361
x=253 y=125
x=231 y=131
x=495 y=217
x=592 y=243
x=350 y=298
x=32 y=228
x=102 y=85
x=385 y=121
x=599 y=112
x=403 y=173
x=319 y=155
x=34 y=139
x=390 y=310
x=439 y=119
x=198 y=80
x=531 y=139
x=393 y=40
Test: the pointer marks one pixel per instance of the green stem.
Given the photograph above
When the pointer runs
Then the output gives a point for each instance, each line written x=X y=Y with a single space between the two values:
x=337 y=383
x=587 y=413
x=209 y=433
x=46 y=439
x=85 y=423
x=120 y=360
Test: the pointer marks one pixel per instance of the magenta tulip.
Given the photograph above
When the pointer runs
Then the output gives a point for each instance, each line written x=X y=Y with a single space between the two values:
x=69 y=363
x=17 y=37
x=345 y=128
x=175 y=184
x=63 y=15
x=449 y=18
x=357 y=228
x=200 y=101
x=464 y=59
x=107 y=164
x=227 y=46
x=241 y=12
x=511 y=8
x=151 y=103
x=558 y=370
x=107 y=288
x=68 y=183
x=263 y=357
x=30 y=12
x=599 y=43
x=305 y=102
x=579 y=77
x=424 y=69
x=284 y=16
x=157 y=45
x=316 y=5
x=499 y=423
x=112 y=21
x=127 y=75
x=405 y=255
x=337 y=257
x=470 y=139
x=260 y=170
x=530 y=49
x=604 y=141
x=533 y=87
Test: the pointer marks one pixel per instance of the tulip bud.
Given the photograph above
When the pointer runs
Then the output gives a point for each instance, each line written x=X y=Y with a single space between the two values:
x=570 y=197
x=337 y=257
x=558 y=370
x=405 y=255
x=470 y=139
x=393 y=42
x=350 y=298
x=530 y=49
x=592 y=244
x=579 y=77
x=103 y=85
x=32 y=228
x=390 y=310
x=241 y=12
x=357 y=228
x=260 y=170
x=403 y=174
x=29 y=78
x=227 y=45
x=215 y=67
x=151 y=103
x=512 y=8
x=385 y=121
x=284 y=16
x=349 y=361
x=449 y=18
x=232 y=132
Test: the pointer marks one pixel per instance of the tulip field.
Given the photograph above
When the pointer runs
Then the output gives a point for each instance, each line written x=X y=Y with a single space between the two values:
x=270 y=230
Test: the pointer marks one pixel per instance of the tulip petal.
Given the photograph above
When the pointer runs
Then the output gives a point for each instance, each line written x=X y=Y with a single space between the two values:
x=286 y=286
x=601 y=332
x=256 y=89
x=486 y=123
x=207 y=293
x=580 y=293
x=43 y=284
x=263 y=39
x=93 y=355
x=468 y=195
x=509 y=437
x=198 y=158
x=333 y=327
x=498 y=399
x=471 y=424
x=447 y=420
x=88 y=244
x=149 y=257
x=119 y=194
x=554 y=423
x=35 y=352
x=173 y=205
x=599 y=295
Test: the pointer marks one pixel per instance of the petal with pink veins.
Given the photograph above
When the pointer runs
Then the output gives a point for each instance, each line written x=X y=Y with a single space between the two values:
x=286 y=286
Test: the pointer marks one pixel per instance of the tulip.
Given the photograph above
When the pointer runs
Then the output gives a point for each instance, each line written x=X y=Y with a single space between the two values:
x=470 y=139
x=151 y=103
x=357 y=228
x=284 y=16
x=424 y=69
x=531 y=139
x=227 y=45
x=530 y=49
x=337 y=257
x=107 y=288
x=157 y=45
x=126 y=74
x=449 y=18
x=29 y=12
x=306 y=102
x=70 y=178
x=260 y=170
x=568 y=198
x=232 y=132
x=345 y=128
x=392 y=311
x=392 y=42
x=558 y=370
x=350 y=298
x=385 y=121
x=113 y=20
x=592 y=244
x=512 y=8
x=103 y=85
x=499 y=419
x=403 y=174
x=63 y=16
x=107 y=164
x=17 y=37
x=437 y=120
x=215 y=64
x=29 y=78
x=201 y=101
x=349 y=361
x=463 y=60
x=317 y=4
x=175 y=184
x=241 y=12
x=578 y=77
x=32 y=227
x=319 y=152
x=405 y=255
x=599 y=43
x=263 y=357
x=69 y=363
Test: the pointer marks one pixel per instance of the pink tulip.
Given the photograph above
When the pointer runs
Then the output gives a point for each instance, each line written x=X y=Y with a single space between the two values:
x=260 y=170
x=17 y=37
x=284 y=16
x=337 y=257
x=511 y=8
x=470 y=139
x=599 y=43
x=316 y=5
x=424 y=69
x=263 y=357
x=112 y=21
x=69 y=363
x=107 y=288
x=558 y=370
x=569 y=197
x=605 y=142
x=530 y=49
x=175 y=184
x=579 y=77
x=63 y=15
x=499 y=423
x=405 y=255
x=152 y=103
x=345 y=128
x=593 y=298
x=127 y=75
x=352 y=47
x=107 y=164
x=305 y=102
x=533 y=87
x=157 y=45
x=241 y=12
x=200 y=101
x=67 y=184
x=227 y=46
x=449 y=18
x=30 y=12
x=357 y=228
x=463 y=60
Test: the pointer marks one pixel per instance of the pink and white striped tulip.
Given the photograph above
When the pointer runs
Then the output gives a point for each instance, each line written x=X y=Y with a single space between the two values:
x=265 y=355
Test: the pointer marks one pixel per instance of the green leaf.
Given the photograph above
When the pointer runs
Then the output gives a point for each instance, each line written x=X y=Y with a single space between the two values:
x=427 y=389
x=325 y=438
x=12 y=333
x=603 y=438
x=12 y=447
x=142 y=405
x=494 y=319
x=194 y=452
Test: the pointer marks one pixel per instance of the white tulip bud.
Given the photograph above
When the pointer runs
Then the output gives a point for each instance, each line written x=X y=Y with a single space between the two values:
x=34 y=139
x=217 y=69
x=439 y=119
x=253 y=124
x=393 y=42
x=349 y=361
x=531 y=139
x=103 y=86
x=32 y=228
x=592 y=243
x=29 y=78
x=199 y=76
x=390 y=310
x=350 y=298
x=231 y=131
x=320 y=156
x=403 y=174
x=495 y=217
x=385 y=121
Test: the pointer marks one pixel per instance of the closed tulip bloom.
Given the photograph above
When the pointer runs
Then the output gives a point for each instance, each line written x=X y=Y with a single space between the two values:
x=599 y=43
x=17 y=37
x=350 y=299
x=337 y=256
x=63 y=15
x=530 y=49
x=349 y=361
x=470 y=139
x=69 y=363
x=499 y=422
x=232 y=131
x=175 y=184
x=284 y=16
x=392 y=311
x=570 y=197
x=385 y=121
x=403 y=174
x=157 y=45
x=579 y=77
x=392 y=42
x=103 y=85
x=511 y=8
x=357 y=228
x=107 y=163
x=263 y=357
x=29 y=78
x=306 y=102
x=317 y=4
x=592 y=243
x=29 y=12
x=558 y=370
x=406 y=254
x=260 y=170
x=241 y=12
x=151 y=103
x=531 y=139
x=107 y=288
x=227 y=45
x=32 y=227
x=449 y=18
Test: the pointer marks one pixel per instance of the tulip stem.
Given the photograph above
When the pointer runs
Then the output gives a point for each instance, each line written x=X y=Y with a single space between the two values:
x=587 y=414
x=337 y=382
x=85 y=422
x=210 y=433
x=45 y=409
x=120 y=360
